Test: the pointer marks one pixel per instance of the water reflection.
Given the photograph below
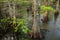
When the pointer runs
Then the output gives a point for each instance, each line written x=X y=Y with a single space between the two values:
x=54 y=31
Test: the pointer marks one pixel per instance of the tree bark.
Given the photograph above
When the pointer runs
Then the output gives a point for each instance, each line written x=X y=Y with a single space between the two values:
x=45 y=14
x=35 y=28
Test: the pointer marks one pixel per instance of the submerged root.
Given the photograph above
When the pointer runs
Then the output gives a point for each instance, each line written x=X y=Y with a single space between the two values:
x=36 y=35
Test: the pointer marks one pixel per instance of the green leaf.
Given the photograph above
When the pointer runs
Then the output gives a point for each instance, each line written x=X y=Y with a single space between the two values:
x=47 y=8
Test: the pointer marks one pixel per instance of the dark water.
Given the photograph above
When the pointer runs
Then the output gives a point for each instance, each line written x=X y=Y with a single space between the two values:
x=54 y=30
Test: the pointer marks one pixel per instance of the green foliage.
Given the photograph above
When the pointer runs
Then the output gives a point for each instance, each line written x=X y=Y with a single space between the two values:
x=5 y=24
x=21 y=25
x=47 y=8
x=23 y=2
x=6 y=20
x=25 y=29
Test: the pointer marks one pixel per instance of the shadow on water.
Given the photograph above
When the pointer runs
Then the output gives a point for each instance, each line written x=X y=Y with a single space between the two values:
x=54 y=30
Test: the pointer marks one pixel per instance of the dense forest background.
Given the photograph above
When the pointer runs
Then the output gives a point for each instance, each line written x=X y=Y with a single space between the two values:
x=27 y=18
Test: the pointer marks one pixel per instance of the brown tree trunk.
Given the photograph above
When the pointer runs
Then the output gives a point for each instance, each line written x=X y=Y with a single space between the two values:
x=56 y=14
x=45 y=14
x=34 y=18
x=35 y=29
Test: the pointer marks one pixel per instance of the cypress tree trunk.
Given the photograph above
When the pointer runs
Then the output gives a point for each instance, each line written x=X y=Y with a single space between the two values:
x=34 y=18
x=35 y=29
x=45 y=14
